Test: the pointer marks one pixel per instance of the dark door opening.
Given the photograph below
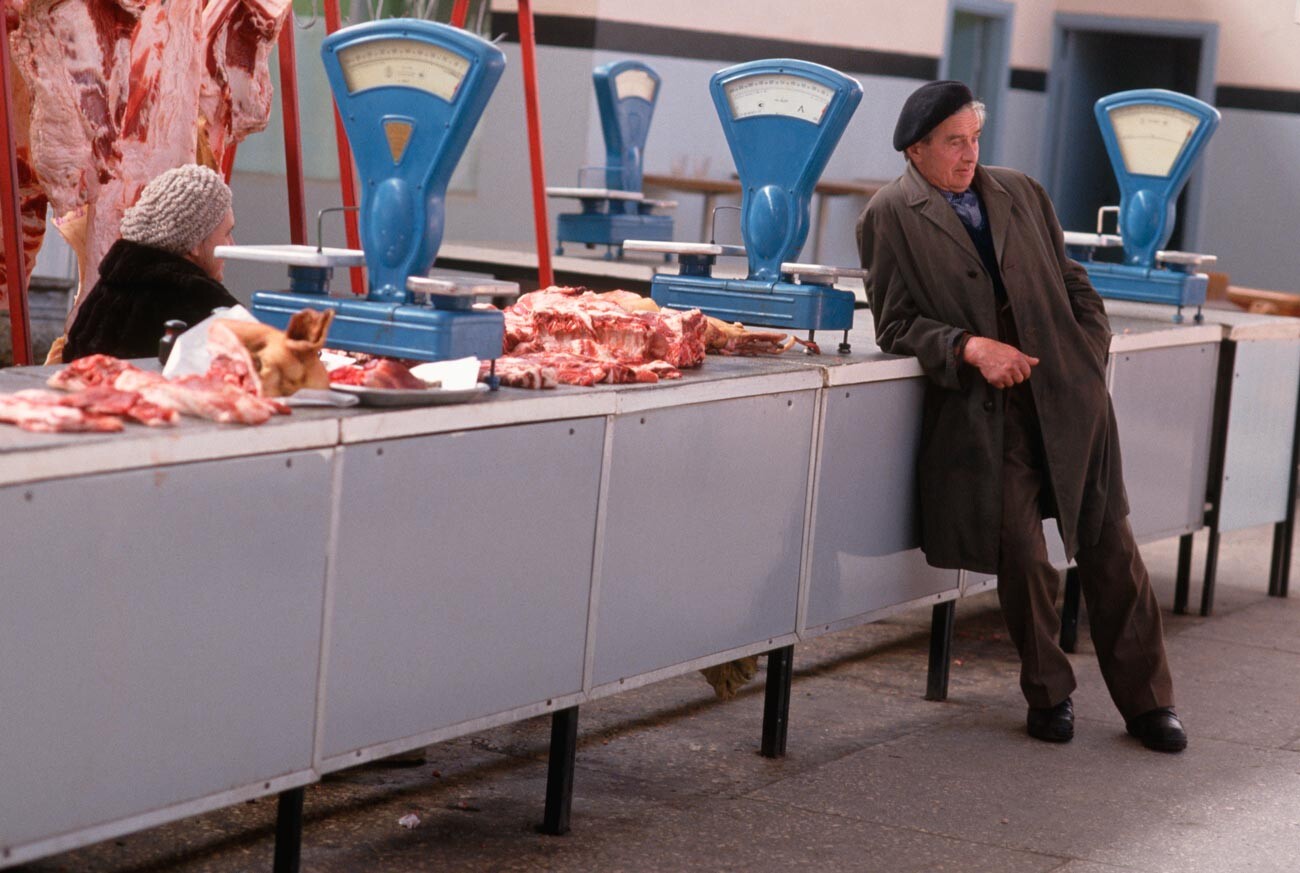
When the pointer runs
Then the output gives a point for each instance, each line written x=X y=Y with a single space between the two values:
x=1092 y=64
x=977 y=55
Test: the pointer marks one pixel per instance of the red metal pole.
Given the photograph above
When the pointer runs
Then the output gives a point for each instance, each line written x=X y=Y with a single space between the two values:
x=15 y=273
x=528 y=49
x=459 y=13
x=292 y=134
x=347 y=182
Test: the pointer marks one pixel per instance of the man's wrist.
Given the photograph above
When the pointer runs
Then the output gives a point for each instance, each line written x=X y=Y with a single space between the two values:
x=959 y=348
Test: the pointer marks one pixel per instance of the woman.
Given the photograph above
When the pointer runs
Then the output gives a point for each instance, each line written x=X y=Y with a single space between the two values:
x=162 y=267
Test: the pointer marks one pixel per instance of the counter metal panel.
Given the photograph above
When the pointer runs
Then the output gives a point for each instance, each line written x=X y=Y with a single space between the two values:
x=865 y=559
x=462 y=579
x=704 y=530
x=160 y=637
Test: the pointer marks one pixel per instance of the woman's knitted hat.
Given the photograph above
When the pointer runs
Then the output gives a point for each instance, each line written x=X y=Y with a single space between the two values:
x=178 y=209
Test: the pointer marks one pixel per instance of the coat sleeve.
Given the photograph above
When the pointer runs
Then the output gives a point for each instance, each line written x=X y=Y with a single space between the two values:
x=900 y=328
x=1085 y=302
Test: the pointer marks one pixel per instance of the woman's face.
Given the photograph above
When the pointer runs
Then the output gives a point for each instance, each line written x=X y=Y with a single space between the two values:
x=223 y=235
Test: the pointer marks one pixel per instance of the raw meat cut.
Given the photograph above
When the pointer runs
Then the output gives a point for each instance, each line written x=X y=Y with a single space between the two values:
x=106 y=400
x=41 y=411
x=208 y=396
x=377 y=373
x=588 y=338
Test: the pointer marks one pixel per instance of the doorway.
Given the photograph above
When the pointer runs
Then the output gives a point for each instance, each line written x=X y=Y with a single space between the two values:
x=1094 y=56
x=978 y=52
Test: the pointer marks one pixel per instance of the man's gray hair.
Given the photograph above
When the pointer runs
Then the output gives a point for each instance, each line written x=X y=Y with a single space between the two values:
x=976 y=106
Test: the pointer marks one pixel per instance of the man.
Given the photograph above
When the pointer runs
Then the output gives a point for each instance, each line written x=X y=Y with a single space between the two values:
x=162 y=267
x=967 y=271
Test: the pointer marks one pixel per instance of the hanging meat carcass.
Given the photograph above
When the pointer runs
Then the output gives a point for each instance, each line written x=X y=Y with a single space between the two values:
x=118 y=88
x=235 y=89
x=32 y=202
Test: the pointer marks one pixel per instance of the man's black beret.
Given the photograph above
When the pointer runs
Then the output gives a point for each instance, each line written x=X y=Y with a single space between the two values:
x=927 y=108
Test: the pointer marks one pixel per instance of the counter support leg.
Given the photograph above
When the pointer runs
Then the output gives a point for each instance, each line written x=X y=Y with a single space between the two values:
x=941 y=620
x=1183 y=581
x=288 y=830
x=559 y=772
x=776 y=701
x=1070 y=611
x=1275 y=562
x=1284 y=532
x=1211 y=570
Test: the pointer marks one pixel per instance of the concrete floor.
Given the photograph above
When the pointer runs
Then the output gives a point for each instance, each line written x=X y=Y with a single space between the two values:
x=875 y=779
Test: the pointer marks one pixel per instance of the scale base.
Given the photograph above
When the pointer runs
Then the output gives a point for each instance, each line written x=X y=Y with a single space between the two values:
x=783 y=305
x=395 y=330
x=1150 y=285
x=610 y=229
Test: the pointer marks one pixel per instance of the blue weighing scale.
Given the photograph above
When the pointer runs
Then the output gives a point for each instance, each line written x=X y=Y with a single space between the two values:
x=782 y=119
x=410 y=93
x=1154 y=138
x=626 y=93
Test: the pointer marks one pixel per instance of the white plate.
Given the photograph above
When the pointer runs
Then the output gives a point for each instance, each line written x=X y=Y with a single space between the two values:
x=408 y=396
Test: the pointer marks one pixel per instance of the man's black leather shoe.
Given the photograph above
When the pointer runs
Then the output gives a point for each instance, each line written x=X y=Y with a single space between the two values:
x=1053 y=724
x=1159 y=729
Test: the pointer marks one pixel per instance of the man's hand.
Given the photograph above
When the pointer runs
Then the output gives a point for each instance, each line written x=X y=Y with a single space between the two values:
x=1001 y=365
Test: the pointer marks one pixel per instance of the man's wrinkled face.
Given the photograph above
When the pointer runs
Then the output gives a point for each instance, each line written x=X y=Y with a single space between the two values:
x=222 y=235
x=947 y=157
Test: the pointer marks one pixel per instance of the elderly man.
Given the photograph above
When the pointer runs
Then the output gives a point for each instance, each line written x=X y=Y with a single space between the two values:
x=968 y=273
x=162 y=267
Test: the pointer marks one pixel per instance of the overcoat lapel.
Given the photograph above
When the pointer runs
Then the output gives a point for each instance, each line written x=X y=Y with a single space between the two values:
x=998 y=203
x=926 y=199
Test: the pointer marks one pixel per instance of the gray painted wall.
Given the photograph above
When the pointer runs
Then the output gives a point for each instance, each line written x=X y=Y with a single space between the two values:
x=1253 y=186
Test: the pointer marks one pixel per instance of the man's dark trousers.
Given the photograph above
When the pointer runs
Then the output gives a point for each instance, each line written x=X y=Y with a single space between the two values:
x=1123 y=614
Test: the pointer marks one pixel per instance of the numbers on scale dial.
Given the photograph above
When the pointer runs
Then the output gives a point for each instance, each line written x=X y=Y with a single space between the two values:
x=1151 y=137
x=405 y=63
x=634 y=83
x=778 y=94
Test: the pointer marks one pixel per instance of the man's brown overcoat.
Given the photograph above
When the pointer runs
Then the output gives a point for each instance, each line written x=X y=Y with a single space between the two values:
x=927 y=285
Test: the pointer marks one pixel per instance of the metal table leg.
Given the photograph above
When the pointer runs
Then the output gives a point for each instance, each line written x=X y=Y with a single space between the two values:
x=1183 y=581
x=1211 y=567
x=776 y=701
x=1070 y=611
x=1218 y=454
x=288 y=830
x=559 y=772
x=1284 y=531
x=941 y=621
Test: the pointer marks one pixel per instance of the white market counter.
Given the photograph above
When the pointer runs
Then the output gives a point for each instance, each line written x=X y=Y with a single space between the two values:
x=212 y=613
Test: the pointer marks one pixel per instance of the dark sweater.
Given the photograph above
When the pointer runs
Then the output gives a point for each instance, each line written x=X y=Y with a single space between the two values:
x=140 y=288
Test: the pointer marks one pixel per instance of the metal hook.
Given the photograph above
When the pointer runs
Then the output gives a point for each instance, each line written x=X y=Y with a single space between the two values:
x=320 y=217
x=315 y=15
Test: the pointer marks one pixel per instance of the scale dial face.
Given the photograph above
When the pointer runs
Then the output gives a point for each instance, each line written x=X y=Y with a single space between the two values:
x=406 y=63
x=778 y=94
x=634 y=83
x=1151 y=137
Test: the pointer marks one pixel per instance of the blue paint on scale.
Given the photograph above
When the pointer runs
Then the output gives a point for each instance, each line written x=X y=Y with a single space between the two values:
x=782 y=119
x=1154 y=139
x=410 y=93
